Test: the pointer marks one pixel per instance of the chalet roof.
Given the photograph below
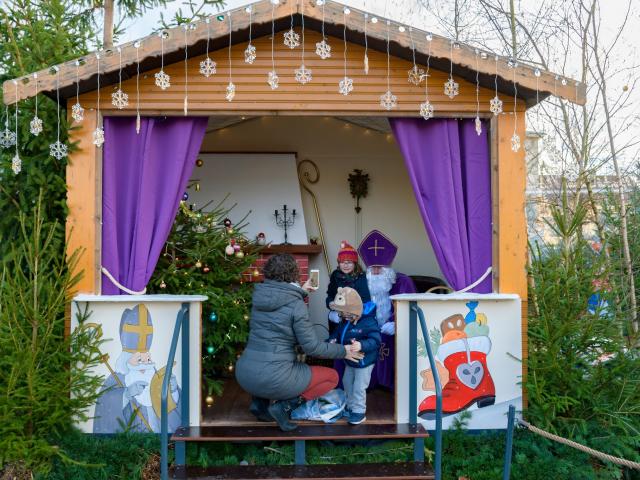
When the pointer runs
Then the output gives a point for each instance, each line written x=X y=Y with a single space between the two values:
x=533 y=85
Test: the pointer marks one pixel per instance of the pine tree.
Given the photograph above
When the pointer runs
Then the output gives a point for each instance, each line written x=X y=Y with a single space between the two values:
x=205 y=254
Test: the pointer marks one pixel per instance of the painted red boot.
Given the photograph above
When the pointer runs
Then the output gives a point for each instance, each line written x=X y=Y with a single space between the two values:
x=469 y=378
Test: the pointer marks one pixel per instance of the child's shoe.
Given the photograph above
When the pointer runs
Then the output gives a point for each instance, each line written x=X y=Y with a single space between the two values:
x=356 y=418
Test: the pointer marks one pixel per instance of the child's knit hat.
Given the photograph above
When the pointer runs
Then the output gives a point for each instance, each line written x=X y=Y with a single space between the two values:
x=347 y=253
x=347 y=301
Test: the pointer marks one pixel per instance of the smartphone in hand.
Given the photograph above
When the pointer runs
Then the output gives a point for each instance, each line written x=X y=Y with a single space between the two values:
x=314 y=278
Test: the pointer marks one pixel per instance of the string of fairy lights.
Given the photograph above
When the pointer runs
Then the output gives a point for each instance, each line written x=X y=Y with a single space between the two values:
x=303 y=74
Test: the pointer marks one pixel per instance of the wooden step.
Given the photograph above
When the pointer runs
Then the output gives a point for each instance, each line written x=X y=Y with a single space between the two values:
x=271 y=432
x=407 y=470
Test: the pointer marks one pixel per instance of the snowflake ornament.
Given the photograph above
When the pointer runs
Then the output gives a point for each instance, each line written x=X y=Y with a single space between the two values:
x=98 y=137
x=515 y=142
x=77 y=112
x=303 y=74
x=231 y=92
x=207 y=67
x=163 y=80
x=16 y=164
x=478 y=126
x=58 y=150
x=7 y=138
x=35 y=126
x=495 y=105
x=416 y=75
x=273 y=79
x=323 y=49
x=451 y=88
x=345 y=87
x=291 y=39
x=388 y=100
x=119 y=99
x=250 y=54
x=426 y=110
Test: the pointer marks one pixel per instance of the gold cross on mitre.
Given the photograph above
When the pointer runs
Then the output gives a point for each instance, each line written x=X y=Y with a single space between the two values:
x=375 y=248
x=143 y=329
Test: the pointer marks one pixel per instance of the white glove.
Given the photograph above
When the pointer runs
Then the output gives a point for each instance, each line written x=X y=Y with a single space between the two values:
x=334 y=316
x=388 y=328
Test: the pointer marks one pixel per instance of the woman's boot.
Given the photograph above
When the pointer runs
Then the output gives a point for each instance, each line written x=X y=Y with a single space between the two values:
x=260 y=409
x=281 y=410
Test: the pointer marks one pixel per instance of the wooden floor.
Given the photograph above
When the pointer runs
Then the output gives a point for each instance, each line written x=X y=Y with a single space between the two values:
x=233 y=407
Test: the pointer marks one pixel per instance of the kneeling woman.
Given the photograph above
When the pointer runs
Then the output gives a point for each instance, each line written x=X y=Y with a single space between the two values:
x=268 y=368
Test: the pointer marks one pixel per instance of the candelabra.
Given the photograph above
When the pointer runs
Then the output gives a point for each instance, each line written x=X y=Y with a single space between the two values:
x=285 y=220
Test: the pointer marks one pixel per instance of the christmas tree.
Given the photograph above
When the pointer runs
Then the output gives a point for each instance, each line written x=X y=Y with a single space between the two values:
x=206 y=254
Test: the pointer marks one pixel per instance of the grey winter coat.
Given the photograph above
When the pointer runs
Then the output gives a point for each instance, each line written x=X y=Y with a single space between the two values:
x=279 y=321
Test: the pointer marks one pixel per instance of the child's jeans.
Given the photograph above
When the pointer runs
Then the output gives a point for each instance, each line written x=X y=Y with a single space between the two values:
x=355 y=382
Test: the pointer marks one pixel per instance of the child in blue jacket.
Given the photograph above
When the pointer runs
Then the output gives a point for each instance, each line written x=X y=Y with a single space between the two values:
x=359 y=327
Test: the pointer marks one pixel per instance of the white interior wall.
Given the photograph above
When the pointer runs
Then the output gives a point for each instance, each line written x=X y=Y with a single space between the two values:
x=337 y=148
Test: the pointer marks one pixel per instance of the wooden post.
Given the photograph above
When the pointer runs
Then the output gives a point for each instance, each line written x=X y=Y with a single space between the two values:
x=84 y=198
x=510 y=224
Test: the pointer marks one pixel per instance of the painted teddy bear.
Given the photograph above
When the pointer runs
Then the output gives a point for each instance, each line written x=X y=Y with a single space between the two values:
x=461 y=361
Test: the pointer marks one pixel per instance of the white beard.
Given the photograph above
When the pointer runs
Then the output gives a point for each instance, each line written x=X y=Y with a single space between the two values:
x=379 y=287
x=144 y=373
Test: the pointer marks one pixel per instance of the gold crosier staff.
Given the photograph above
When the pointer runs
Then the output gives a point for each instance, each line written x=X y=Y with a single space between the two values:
x=305 y=177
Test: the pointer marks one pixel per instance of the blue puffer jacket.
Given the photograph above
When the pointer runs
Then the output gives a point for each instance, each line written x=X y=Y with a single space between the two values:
x=366 y=331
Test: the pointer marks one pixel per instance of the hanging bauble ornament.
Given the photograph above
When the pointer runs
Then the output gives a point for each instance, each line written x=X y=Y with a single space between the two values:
x=207 y=67
x=236 y=248
x=273 y=79
x=230 y=231
x=213 y=317
x=185 y=196
x=227 y=223
x=16 y=164
x=291 y=39
x=206 y=269
x=245 y=317
x=162 y=80
x=230 y=91
x=163 y=285
x=209 y=401
x=199 y=162
x=119 y=99
x=478 y=126
x=256 y=273
x=515 y=142
x=426 y=110
x=303 y=74
x=249 y=54
x=229 y=250
x=7 y=138
x=388 y=100
x=240 y=254
x=345 y=86
x=323 y=49
x=35 y=126
x=198 y=264
x=211 y=350
x=77 y=112
x=98 y=137
x=495 y=105
x=451 y=88
x=58 y=150
x=416 y=75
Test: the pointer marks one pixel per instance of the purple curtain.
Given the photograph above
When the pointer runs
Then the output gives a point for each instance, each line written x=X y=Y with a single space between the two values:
x=449 y=168
x=143 y=180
